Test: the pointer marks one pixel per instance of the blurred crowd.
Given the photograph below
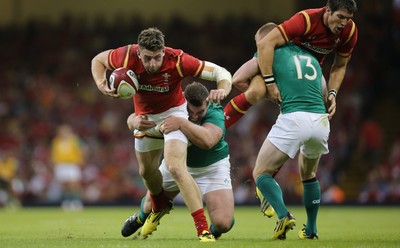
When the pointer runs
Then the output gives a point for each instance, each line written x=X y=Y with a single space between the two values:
x=46 y=83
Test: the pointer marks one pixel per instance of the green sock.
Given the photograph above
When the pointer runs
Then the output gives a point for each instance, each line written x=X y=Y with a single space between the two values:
x=217 y=233
x=142 y=214
x=273 y=193
x=311 y=200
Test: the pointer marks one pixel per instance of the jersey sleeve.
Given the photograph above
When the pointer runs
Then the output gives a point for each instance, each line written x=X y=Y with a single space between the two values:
x=350 y=36
x=216 y=116
x=189 y=65
x=295 y=26
x=118 y=57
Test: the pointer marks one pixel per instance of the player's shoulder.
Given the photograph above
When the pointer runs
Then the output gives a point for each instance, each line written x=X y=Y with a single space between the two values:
x=173 y=53
x=312 y=14
x=118 y=56
x=130 y=48
x=350 y=27
x=215 y=115
x=215 y=109
x=349 y=32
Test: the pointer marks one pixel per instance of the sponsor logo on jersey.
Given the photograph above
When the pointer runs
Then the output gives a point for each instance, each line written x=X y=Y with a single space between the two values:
x=154 y=88
x=316 y=49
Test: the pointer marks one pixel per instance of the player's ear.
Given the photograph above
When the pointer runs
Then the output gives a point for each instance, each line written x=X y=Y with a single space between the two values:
x=138 y=53
x=328 y=10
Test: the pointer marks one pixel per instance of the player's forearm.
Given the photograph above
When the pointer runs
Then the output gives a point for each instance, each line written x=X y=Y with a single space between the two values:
x=216 y=73
x=265 y=48
x=99 y=67
x=265 y=58
x=244 y=74
x=225 y=85
x=337 y=73
x=98 y=72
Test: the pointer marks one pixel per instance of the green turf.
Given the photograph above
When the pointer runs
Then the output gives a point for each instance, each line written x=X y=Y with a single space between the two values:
x=100 y=227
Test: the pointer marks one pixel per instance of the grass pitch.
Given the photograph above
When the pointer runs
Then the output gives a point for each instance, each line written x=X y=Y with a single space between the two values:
x=100 y=227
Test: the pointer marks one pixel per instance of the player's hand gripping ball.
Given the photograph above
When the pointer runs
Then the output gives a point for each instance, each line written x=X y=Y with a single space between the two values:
x=124 y=81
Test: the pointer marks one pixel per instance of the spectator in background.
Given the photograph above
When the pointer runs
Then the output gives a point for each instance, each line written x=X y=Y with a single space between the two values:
x=370 y=142
x=8 y=178
x=67 y=157
x=374 y=189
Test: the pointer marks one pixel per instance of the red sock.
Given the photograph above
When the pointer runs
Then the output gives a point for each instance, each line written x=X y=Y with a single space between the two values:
x=200 y=221
x=235 y=109
x=159 y=201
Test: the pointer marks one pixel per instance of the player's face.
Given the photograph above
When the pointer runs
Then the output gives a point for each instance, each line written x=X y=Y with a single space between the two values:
x=151 y=61
x=338 y=20
x=197 y=113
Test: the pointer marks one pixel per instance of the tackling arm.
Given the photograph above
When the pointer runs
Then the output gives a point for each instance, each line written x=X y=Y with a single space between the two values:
x=266 y=47
x=205 y=136
x=245 y=73
x=139 y=122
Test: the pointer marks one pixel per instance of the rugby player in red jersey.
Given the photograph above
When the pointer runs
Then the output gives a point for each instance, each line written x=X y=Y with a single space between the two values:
x=160 y=71
x=320 y=31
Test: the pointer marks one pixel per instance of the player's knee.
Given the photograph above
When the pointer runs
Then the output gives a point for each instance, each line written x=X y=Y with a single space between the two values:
x=255 y=94
x=176 y=170
x=223 y=225
x=147 y=172
x=257 y=173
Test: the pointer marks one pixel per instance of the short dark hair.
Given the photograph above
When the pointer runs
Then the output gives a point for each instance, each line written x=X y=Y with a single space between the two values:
x=151 y=39
x=349 y=5
x=264 y=30
x=196 y=94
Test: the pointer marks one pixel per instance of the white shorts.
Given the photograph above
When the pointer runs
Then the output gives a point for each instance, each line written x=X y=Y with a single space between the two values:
x=213 y=177
x=67 y=172
x=152 y=139
x=308 y=132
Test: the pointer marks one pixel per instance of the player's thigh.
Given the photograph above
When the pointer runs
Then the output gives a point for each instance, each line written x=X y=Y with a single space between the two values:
x=148 y=161
x=220 y=205
x=269 y=160
x=308 y=166
x=169 y=183
x=175 y=152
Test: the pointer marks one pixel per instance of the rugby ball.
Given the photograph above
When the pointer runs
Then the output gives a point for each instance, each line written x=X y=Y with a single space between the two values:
x=124 y=81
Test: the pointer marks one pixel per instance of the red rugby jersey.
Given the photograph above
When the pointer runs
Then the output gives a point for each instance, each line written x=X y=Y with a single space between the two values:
x=307 y=30
x=163 y=90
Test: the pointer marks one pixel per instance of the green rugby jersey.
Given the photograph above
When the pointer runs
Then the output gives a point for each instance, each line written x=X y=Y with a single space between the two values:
x=198 y=157
x=298 y=77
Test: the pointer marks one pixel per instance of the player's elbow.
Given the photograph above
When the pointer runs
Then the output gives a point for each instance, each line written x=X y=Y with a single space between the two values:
x=206 y=144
